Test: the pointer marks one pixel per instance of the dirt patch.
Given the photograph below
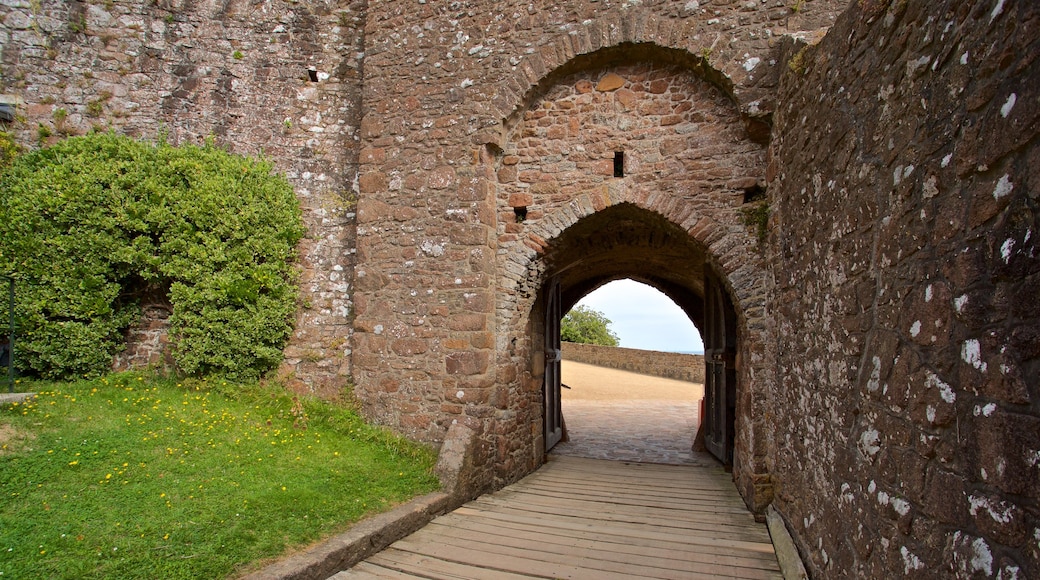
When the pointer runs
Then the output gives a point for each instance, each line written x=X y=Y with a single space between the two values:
x=593 y=383
x=13 y=439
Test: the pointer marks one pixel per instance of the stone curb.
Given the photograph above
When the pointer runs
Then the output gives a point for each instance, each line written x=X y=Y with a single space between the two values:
x=786 y=553
x=6 y=398
x=359 y=542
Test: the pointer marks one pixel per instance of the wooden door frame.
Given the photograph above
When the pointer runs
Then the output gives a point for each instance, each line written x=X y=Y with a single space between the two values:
x=720 y=376
x=551 y=392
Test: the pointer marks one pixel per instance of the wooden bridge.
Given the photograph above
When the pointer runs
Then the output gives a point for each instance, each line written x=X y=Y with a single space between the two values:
x=590 y=518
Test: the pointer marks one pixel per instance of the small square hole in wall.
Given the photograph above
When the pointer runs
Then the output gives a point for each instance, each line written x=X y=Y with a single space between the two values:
x=521 y=214
x=312 y=74
x=754 y=193
x=619 y=164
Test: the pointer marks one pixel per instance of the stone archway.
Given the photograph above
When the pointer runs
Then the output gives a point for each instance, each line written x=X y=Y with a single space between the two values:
x=632 y=169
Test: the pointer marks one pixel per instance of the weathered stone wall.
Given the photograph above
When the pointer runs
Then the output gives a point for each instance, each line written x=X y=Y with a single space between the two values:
x=278 y=78
x=670 y=365
x=448 y=326
x=906 y=271
x=147 y=343
x=687 y=159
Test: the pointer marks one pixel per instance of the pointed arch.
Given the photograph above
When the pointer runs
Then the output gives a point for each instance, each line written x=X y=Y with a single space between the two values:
x=672 y=217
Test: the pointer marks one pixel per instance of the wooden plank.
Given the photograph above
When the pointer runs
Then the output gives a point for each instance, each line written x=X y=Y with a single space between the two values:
x=614 y=539
x=633 y=490
x=715 y=503
x=708 y=545
x=585 y=518
x=646 y=531
x=671 y=487
x=574 y=548
x=685 y=483
x=719 y=526
x=533 y=557
x=427 y=567
x=648 y=510
x=527 y=564
x=650 y=470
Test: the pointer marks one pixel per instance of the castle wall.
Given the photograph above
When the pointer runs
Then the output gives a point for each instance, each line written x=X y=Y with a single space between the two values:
x=905 y=282
x=237 y=72
x=670 y=365
x=888 y=355
x=447 y=317
x=687 y=161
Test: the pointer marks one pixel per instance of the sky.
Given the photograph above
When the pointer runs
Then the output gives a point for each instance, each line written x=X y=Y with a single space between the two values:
x=644 y=318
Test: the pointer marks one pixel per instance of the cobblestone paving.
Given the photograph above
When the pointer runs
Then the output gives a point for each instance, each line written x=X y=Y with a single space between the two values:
x=643 y=431
x=625 y=416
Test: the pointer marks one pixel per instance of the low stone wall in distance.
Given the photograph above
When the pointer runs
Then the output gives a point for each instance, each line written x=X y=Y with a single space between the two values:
x=670 y=365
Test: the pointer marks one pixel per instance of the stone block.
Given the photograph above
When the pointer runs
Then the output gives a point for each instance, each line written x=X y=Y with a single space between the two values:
x=468 y=321
x=610 y=82
x=466 y=363
x=520 y=200
x=409 y=346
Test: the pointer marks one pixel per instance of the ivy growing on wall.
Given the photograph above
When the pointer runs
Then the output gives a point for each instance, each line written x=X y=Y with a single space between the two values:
x=92 y=224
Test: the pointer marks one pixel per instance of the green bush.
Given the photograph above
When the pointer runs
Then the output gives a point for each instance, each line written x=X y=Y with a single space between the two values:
x=91 y=224
x=8 y=149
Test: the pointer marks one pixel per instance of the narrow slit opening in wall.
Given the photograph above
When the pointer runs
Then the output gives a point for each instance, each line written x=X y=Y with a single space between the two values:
x=619 y=164
x=312 y=75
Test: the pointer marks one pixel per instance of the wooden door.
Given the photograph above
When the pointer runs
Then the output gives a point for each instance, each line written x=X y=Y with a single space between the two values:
x=720 y=370
x=553 y=409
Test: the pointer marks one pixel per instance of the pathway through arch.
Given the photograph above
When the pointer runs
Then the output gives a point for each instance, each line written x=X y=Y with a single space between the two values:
x=625 y=499
x=625 y=416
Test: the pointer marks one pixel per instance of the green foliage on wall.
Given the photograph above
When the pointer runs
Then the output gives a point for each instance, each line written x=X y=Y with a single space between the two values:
x=8 y=149
x=93 y=223
x=585 y=325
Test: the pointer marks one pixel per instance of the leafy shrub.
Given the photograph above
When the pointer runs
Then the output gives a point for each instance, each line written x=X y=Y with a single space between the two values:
x=94 y=222
x=8 y=149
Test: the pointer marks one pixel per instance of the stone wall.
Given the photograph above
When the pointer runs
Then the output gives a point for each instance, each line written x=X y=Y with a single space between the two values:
x=277 y=78
x=906 y=269
x=888 y=361
x=147 y=343
x=451 y=123
x=670 y=365
x=451 y=262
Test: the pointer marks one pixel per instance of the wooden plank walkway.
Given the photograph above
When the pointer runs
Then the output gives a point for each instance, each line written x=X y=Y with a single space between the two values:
x=590 y=518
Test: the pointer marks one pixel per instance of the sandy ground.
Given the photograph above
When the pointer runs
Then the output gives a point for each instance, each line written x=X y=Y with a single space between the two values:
x=593 y=383
x=625 y=416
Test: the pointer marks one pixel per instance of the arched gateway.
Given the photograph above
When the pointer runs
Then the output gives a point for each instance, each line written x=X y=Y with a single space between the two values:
x=626 y=162
x=630 y=166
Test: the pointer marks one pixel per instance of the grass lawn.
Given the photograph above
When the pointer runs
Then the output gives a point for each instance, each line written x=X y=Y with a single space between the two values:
x=133 y=476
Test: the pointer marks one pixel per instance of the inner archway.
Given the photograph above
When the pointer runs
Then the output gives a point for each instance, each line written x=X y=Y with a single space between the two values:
x=625 y=241
x=633 y=378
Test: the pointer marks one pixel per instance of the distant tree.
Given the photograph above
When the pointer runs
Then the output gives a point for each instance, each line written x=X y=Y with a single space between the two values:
x=585 y=325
